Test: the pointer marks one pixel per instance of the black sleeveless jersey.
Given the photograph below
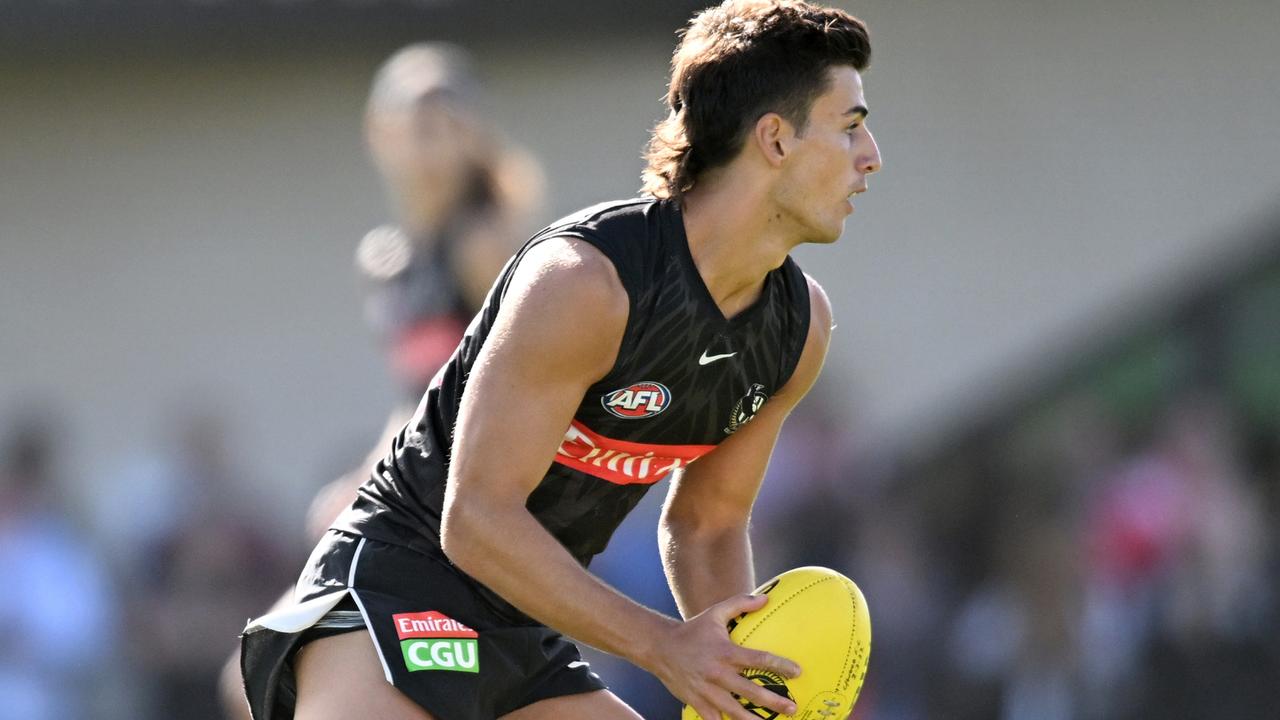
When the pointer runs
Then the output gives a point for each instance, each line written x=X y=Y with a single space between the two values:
x=685 y=379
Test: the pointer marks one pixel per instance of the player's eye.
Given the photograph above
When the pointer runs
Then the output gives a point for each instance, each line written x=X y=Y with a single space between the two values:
x=853 y=128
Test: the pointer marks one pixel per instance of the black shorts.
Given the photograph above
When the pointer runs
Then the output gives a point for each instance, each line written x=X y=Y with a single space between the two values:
x=440 y=641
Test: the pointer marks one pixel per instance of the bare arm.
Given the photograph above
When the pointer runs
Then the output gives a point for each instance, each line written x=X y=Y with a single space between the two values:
x=703 y=536
x=536 y=365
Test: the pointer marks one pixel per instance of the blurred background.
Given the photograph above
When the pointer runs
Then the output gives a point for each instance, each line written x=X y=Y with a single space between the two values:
x=1046 y=443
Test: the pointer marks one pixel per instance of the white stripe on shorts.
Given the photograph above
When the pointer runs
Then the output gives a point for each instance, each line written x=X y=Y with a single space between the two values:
x=351 y=582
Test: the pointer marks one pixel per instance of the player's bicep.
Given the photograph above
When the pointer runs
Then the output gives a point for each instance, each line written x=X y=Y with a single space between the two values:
x=558 y=332
x=719 y=489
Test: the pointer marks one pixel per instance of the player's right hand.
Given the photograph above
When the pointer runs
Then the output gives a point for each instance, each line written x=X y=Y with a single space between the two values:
x=701 y=666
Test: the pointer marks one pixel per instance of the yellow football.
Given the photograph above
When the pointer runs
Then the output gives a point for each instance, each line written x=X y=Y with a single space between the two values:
x=817 y=618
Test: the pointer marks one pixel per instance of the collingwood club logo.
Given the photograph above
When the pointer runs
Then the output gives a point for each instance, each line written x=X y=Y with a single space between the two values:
x=746 y=408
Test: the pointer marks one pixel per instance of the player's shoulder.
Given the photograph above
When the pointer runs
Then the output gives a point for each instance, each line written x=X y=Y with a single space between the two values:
x=570 y=259
x=606 y=218
x=818 y=337
x=809 y=298
x=820 y=316
x=632 y=234
x=569 y=272
x=565 y=298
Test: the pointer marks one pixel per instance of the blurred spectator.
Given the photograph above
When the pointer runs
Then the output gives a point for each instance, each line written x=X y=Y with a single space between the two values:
x=1213 y=653
x=463 y=198
x=888 y=558
x=197 y=580
x=58 y=622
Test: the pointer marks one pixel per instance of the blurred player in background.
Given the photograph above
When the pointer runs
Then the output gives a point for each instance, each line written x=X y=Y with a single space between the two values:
x=618 y=347
x=464 y=199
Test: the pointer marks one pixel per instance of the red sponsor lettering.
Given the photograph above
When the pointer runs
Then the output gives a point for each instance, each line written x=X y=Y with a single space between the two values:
x=430 y=624
x=622 y=462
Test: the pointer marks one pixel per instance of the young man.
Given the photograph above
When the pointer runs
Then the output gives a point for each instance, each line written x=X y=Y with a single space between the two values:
x=637 y=340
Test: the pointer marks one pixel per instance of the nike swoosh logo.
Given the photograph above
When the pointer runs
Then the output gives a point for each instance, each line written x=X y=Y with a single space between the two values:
x=708 y=359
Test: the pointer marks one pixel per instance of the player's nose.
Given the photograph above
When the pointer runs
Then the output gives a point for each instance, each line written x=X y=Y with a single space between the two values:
x=869 y=159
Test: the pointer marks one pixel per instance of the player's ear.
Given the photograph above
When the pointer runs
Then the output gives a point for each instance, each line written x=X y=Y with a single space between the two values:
x=774 y=136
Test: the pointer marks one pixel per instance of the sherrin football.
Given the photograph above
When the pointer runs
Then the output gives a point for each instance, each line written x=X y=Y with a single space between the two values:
x=817 y=618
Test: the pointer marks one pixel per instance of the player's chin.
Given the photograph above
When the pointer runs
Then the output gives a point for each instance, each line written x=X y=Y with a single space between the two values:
x=829 y=233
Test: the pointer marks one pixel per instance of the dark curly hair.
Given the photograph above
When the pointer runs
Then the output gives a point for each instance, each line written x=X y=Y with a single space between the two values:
x=736 y=62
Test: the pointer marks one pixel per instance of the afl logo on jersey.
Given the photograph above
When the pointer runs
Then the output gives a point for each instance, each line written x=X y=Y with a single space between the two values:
x=642 y=400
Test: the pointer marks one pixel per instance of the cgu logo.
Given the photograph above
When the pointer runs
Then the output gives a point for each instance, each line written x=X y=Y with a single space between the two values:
x=458 y=655
x=642 y=400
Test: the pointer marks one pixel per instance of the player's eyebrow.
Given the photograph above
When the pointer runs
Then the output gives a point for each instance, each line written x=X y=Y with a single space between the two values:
x=858 y=110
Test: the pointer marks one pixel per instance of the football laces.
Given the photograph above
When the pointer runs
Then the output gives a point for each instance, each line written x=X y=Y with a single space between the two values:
x=831 y=707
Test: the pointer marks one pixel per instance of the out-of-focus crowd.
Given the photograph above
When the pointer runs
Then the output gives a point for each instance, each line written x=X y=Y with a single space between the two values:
x=1108 y=549
x=128 y=609
x=1105 y=549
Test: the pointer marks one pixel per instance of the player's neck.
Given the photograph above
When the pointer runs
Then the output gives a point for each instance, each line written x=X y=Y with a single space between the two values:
x=735 y=241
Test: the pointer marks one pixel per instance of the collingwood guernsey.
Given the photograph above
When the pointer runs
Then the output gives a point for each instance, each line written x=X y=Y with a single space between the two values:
x=685 y=378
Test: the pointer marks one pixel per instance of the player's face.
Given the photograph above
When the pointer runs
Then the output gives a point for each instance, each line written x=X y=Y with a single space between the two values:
x=429 y=146
x=831 y=160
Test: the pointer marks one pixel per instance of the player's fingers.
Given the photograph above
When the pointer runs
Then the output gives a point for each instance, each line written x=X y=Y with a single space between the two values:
x=747 y=658
x=705 y=711
x=761 y=696
x=726 y=610
x=730 y=706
